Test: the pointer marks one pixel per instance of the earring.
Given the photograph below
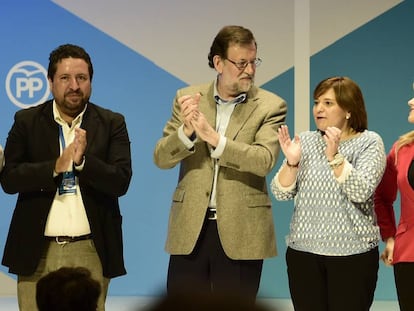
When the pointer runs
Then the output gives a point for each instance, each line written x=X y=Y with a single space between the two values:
x=348 y=116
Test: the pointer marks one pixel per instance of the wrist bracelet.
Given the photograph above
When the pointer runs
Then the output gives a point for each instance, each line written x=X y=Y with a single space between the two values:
x=337 y=161
x=292 y=165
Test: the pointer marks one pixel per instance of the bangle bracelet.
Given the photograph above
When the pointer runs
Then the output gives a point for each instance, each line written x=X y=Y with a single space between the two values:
x=292 y=165
x=337 y=161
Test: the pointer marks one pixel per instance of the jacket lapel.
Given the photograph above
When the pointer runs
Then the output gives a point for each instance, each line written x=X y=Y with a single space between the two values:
x=241 y=114
x=209 y=108
x=49 y=131
x=90 y=124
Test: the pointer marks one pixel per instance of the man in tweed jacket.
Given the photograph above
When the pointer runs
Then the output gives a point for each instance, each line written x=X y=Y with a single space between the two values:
x=224 y=136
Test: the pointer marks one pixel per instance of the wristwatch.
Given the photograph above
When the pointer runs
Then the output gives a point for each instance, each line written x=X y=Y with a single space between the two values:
x=337 y=161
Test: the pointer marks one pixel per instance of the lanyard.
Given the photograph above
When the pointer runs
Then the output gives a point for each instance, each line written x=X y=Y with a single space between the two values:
x=68 y=183
x=61 y=137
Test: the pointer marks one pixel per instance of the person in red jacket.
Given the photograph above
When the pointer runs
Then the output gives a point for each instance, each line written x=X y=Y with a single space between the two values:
x=399 y=248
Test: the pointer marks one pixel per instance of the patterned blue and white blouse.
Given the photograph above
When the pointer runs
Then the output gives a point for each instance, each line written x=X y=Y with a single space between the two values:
x=334 y=216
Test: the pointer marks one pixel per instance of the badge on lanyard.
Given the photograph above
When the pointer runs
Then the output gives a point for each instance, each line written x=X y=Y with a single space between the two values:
x=68 y=184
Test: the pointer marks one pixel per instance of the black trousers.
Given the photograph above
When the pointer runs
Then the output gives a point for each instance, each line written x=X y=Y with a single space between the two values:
x=332 y=283
x=404 y=276
x=208 y=269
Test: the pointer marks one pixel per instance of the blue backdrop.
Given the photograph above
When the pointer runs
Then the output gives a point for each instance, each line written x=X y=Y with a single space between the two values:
x=377 y=55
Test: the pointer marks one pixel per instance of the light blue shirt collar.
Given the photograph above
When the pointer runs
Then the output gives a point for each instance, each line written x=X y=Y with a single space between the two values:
x=238 y=100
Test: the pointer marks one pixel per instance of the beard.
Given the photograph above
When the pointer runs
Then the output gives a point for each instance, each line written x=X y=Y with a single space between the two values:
x=243 y=85
x=73 y=103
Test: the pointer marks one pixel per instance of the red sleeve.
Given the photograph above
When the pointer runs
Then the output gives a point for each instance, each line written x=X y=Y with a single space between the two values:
x=385 y=196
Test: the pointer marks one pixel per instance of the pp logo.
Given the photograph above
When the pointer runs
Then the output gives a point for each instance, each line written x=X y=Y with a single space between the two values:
x=27 y=84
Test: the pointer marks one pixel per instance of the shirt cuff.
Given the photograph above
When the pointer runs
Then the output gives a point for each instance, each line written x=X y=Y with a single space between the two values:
x=345 y=172
x=218 y=151
x=185 y=140
x=80 y=166
x=283 y=188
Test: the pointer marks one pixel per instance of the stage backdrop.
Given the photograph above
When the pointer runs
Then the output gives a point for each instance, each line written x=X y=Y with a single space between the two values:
x=143 y=51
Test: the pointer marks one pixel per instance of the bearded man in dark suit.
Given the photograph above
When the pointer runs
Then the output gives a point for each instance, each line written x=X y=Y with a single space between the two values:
x=69 y=161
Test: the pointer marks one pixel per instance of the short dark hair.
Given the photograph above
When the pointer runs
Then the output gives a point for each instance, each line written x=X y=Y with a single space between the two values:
x=68 y=289
x=229 y=35
x=67 y=51
x=349 y=97
x=205 y=301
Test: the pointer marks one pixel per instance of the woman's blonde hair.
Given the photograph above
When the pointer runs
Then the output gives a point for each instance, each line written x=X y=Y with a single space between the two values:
x=404 y=139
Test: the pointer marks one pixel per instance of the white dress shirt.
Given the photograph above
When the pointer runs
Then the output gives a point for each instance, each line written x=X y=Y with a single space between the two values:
x=67 y=216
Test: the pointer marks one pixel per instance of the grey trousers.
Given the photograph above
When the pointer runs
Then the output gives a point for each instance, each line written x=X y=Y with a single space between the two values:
x=80 y=253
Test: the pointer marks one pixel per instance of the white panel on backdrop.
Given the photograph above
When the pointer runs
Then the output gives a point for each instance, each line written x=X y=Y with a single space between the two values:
x=302 y=66
x=146 y=27
x=176 y=35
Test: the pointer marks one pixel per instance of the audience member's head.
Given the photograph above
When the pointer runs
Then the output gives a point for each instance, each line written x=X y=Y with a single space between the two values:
x=68 y=289
x=197 y=301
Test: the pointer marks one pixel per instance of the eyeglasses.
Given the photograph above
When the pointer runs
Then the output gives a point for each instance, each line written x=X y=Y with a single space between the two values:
x=244 y=63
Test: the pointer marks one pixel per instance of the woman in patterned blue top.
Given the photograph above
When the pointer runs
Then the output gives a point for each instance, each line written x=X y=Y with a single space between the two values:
x=332 y=174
